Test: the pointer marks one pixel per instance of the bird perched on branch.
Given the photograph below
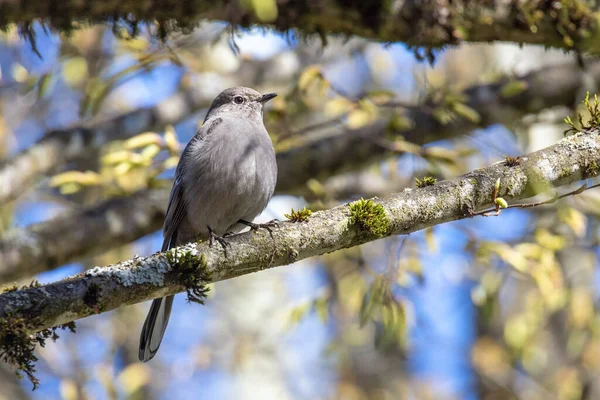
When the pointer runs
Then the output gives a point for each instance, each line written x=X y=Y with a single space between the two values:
x=224 y=179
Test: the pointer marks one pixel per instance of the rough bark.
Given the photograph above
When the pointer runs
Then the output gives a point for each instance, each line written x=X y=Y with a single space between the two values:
x=105 y=288
x=433 y=23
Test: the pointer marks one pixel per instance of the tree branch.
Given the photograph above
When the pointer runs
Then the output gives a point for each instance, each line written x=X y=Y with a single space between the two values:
x=431 y=23
x=105 y=288
x=42 y=246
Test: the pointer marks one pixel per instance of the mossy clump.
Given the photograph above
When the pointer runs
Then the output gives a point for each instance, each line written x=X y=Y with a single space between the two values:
x=591 y=170
x=369 y=216
x=426 y=181
x=593 y=122
x=17 y=345
x=34 y=283
x=512 y=161
x=298 y=216
x=191 y=270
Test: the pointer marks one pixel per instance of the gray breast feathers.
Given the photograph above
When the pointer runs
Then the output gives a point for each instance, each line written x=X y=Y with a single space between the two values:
x=229 y=175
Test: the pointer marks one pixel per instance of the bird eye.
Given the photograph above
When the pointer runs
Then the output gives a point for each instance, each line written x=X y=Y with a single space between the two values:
x=238 y=99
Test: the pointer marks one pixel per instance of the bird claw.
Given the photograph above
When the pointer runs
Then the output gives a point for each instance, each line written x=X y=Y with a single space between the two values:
x=212 y=236
x=267 y=225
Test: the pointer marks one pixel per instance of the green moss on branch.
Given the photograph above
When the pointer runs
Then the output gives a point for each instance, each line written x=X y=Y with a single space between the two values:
x=190 y=270
x=369 y=216
x=17 y=345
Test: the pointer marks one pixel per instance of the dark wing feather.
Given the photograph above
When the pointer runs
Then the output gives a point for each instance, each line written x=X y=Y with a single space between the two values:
x=160 y=310
x=175 y=212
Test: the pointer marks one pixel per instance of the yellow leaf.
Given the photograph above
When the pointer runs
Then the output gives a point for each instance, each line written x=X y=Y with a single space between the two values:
x=574 y=219
x=513 y=88
x=316 y=187
x=430 y=240
x=517 y=331
x=501 y=203
x=443 y=116
x=265 y=10
x=123 y=168
x=171 y=162
x=322 y=88
x=150 y=152
x=297 y=314
x=19 y=73
x=546 y=239
x=337 y=106
x=138 y=44
x=380 y=96
x=45 y=82
x=75 y=71
x=581 y=308
x=171 y=139
x=358 y=118
x=369 y=107
x=116 y=157
x=70 y=188
x=511 y=257
x=400 y=123
x=134 y=377
x=490 y=358
x=321 y=307
x=467 y=112
x=478 y=295
x=68 y=389
x=87 y=178
x=309 y=75
x=529 y=250
x=143 y=139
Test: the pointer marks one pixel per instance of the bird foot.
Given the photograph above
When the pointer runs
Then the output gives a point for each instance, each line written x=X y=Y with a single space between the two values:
x=212 y=236
x=267 y=225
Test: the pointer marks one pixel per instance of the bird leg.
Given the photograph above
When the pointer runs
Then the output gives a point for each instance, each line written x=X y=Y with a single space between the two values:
x=267 y=225
x=212 y=236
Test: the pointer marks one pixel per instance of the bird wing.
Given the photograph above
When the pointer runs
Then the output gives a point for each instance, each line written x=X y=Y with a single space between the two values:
x=160 y=310
x=177 y=208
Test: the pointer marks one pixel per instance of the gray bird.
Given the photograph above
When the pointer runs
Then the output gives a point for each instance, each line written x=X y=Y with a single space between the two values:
x=224 y=179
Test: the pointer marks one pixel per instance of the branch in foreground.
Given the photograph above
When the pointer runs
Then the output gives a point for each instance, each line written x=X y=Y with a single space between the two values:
x=106 y=288
x=565 y=24
x=42 y=247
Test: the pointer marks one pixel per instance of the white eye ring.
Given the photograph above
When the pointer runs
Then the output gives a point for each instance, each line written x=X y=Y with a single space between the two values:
x=238 y=100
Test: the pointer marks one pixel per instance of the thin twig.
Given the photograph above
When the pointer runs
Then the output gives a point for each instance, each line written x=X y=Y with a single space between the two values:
x=496 y=211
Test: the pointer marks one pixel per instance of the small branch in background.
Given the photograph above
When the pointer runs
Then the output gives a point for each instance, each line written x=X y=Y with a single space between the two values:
x=497 y=209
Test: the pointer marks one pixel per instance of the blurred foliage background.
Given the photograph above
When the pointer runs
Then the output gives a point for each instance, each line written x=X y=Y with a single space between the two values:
x=489 y=308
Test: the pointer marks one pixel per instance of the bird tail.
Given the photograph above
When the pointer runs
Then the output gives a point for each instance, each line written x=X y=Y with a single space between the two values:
x=154 y=327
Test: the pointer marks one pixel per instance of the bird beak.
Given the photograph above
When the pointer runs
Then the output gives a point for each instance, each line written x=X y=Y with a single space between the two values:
x=267 y=97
